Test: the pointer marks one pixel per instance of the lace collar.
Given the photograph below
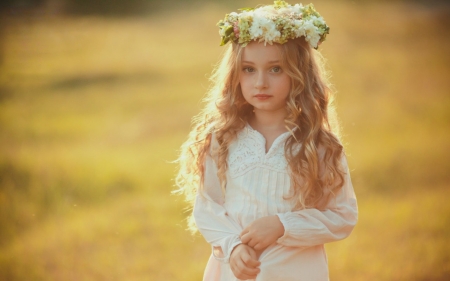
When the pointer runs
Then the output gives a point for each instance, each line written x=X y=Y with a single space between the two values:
x=279 y=141
x=248 y=152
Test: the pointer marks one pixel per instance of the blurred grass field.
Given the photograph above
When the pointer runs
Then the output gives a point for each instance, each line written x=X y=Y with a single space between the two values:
x=93 y=111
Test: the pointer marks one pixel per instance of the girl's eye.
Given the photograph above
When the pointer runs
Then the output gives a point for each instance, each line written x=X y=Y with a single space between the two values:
x=248 y=69
x=276 y=69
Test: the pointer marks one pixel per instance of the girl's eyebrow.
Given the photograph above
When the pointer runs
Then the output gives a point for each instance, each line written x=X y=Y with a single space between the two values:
x=269 y=62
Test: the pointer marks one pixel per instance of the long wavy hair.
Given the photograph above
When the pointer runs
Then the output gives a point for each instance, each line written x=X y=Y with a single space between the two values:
x=313 y=149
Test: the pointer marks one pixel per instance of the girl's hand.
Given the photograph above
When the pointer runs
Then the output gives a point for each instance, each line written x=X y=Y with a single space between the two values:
x=244 y=262
x=262 y=232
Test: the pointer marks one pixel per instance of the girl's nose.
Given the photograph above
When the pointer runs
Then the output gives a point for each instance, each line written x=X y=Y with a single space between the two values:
x=261 y=81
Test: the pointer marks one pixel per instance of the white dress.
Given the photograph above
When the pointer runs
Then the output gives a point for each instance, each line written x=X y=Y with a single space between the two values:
x=257 y=184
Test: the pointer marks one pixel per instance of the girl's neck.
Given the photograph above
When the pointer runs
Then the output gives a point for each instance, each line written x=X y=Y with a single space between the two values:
x=268 y=120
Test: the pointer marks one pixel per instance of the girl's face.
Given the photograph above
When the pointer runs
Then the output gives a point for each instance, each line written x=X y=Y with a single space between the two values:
x=264 y=83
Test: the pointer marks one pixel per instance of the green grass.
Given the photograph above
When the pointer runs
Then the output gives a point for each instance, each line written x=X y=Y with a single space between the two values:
x=93 y=111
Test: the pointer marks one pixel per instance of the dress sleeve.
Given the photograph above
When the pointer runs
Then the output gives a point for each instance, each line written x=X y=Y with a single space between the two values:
x=211 y=218
x=311 y=227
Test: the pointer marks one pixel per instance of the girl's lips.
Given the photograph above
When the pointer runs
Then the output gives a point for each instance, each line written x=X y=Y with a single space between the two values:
x=262 y=96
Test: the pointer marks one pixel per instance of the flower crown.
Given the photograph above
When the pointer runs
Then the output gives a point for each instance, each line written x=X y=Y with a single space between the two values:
x=275 y=23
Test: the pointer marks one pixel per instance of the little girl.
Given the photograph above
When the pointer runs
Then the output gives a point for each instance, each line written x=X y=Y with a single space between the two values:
x=263 y=166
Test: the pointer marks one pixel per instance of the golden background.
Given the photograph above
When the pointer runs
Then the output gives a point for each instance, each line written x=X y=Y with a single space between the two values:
x=95 y=101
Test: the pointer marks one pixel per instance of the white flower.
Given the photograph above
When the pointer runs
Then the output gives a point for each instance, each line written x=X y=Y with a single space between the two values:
x=256 y=29
x=246 y=15
x=285 y=11
x=264 y=29
x=299 y=30
x=297 y=8
x=309 y=26
x=312 y=33
x=272 y=35
x=268 y=10
x=317 y=21
x=314 y=40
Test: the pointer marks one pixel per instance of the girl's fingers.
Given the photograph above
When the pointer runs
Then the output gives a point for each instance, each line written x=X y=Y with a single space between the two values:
x=245 y=266
x=257 y=246
x=245 y=276
x=245 y=238
x=245 y=231
x=252 y=243
x=242 y=271
x=250 y=271
x=241 y=275
x=250 y=262
x=249 y=240
x=260 y=246
x=253 y=264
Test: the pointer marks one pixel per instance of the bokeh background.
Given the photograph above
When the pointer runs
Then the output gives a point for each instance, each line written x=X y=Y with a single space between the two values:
x=96 y=97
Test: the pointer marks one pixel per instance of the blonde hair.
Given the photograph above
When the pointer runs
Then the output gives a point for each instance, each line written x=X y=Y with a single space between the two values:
x=312 y=150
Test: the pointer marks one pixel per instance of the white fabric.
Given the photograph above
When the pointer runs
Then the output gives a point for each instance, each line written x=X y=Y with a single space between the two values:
x=257 y=186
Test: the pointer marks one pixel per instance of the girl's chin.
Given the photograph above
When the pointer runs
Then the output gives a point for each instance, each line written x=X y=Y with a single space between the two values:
x=267 y=109
x=263 y=98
